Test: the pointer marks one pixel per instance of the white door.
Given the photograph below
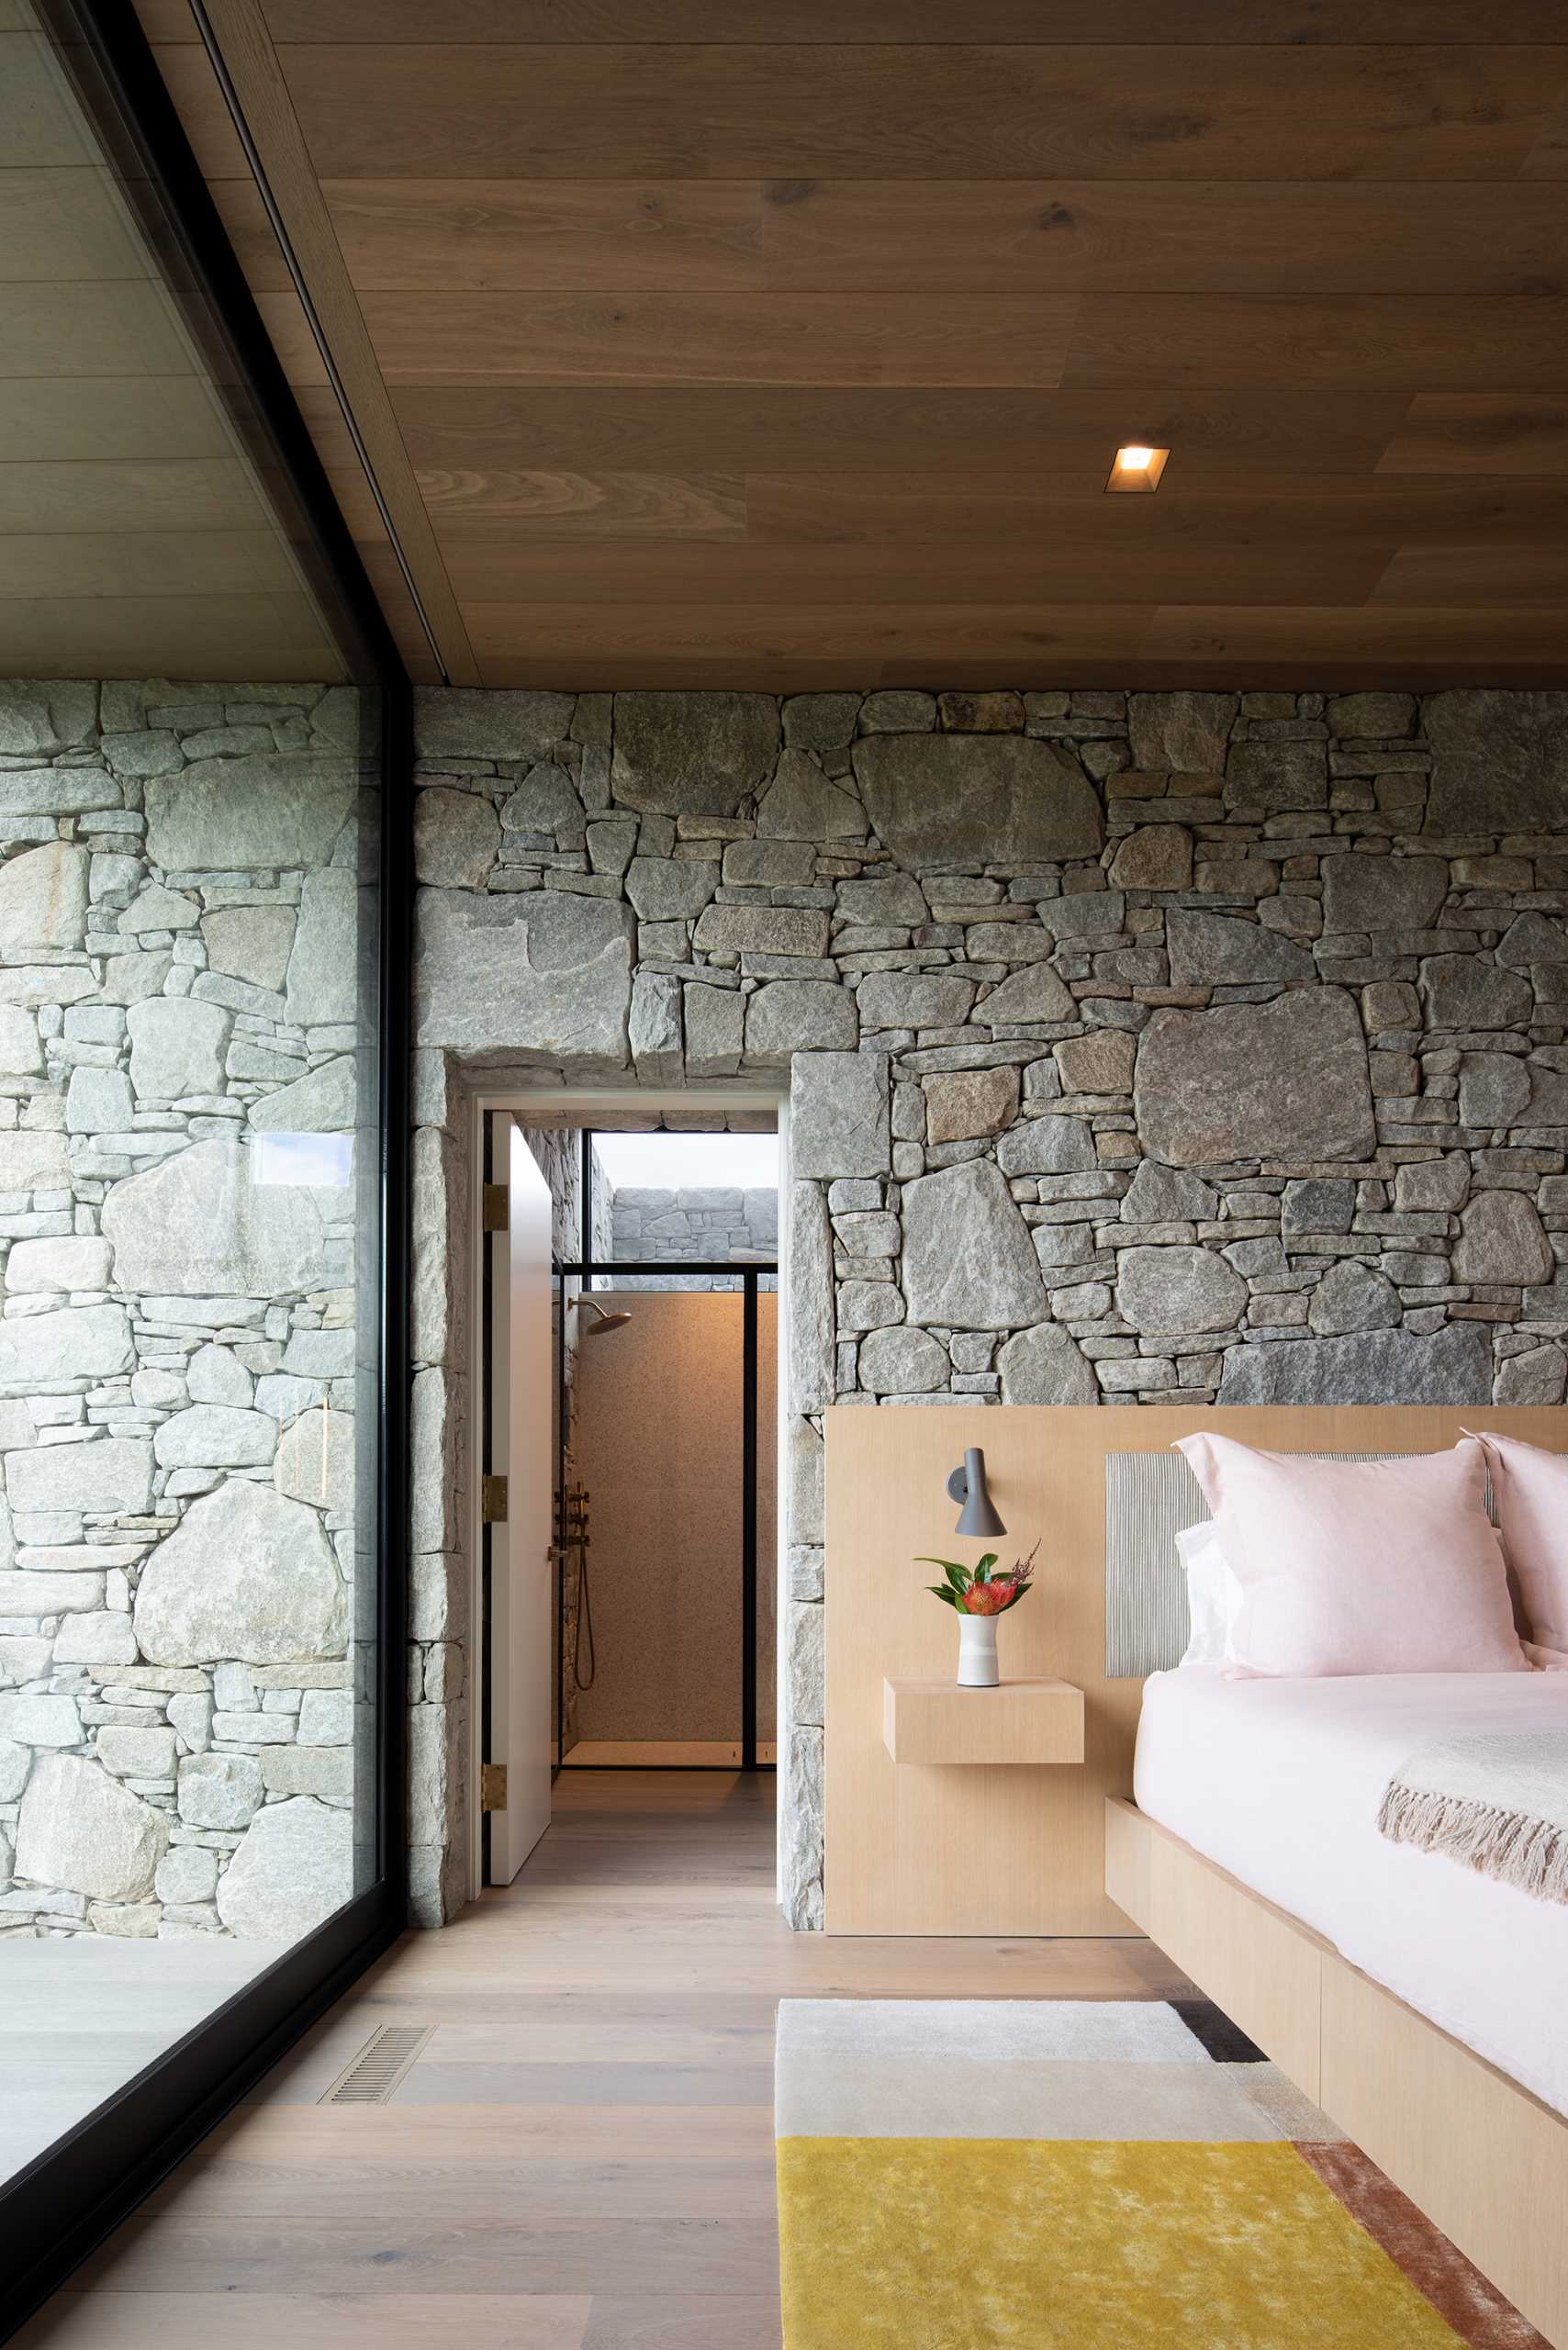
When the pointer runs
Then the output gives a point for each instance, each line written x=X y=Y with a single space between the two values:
x=523 y=1613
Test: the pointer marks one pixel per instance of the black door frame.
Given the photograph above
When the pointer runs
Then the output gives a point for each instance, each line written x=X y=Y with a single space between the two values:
x=61 y=2206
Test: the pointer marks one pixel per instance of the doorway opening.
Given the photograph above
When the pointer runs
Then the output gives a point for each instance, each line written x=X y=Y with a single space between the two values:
x=663 y=1491
x=665 y=1476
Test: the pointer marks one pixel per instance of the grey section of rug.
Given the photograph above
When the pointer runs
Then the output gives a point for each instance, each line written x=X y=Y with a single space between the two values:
x=1497 y=1803
x=1030 y=2069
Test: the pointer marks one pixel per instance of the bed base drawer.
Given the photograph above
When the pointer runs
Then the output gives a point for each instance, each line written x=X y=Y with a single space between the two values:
x=1483 y=2159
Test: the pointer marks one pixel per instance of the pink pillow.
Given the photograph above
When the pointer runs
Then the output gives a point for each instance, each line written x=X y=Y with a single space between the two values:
x=1346 y=1567
x=1532 y=1490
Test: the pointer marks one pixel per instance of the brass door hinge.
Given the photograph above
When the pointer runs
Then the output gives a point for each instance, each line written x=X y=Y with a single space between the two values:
x=493 y=1500
x=492 y=1786
x=495 y=1207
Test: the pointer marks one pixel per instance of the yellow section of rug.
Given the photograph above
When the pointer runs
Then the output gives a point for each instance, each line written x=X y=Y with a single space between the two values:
x=943 y=2244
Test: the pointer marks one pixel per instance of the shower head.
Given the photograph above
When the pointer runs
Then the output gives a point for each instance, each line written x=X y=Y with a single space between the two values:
x=604 y=1322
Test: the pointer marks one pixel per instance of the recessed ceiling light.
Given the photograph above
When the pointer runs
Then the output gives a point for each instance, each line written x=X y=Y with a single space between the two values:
x=1137 y=467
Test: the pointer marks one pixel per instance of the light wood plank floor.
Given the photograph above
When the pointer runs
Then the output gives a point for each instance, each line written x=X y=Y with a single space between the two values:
x=582 y=2158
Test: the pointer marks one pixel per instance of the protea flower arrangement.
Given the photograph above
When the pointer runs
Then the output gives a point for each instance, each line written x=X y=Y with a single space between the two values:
x=977 y=1594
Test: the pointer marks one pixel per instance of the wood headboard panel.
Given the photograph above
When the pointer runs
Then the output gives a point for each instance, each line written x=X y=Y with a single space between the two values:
x=916 y=1851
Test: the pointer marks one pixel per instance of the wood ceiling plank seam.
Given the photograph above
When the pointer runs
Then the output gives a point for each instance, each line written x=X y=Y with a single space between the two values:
x=263 y=94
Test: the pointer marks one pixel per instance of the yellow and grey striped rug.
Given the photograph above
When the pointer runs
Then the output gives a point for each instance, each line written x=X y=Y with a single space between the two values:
x=1072 y=2175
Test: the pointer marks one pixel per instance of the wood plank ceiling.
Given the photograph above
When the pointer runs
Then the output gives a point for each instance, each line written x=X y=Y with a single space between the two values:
x=136 y=538
x=780 y=343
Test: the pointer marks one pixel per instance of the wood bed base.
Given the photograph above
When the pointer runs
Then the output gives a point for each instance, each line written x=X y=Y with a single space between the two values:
x=1483 y=2159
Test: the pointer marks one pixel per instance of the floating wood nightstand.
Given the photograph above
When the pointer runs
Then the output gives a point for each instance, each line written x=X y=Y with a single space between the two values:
x=1019 y=1721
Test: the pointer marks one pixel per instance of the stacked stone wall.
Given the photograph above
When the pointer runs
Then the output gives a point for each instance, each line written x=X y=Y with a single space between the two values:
x=1197 y=1047
x=712 y=1225
x=178 y=903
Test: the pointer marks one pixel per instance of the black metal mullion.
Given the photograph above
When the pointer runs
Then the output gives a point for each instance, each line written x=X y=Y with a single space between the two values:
x=585 y=1267
x=649 y=1267
x=748 y=1522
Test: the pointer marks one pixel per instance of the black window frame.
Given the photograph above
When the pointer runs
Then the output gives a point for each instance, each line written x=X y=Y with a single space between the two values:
x=66 y=2201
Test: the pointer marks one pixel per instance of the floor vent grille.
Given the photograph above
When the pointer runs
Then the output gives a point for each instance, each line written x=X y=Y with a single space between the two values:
x=373 y=2076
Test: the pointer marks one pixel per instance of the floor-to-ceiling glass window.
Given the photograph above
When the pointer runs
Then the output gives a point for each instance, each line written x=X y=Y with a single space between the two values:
x=199 y=1188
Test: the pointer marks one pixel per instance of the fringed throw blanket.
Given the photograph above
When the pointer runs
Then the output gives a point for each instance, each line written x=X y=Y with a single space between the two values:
x=1498 y=1803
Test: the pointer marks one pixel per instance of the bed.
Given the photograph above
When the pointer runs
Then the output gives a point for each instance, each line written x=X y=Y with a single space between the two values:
x=1423 y=2005
x=1279 y=1783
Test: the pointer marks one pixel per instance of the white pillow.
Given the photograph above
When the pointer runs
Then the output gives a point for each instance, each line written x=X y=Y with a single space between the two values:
x=1213 y=1596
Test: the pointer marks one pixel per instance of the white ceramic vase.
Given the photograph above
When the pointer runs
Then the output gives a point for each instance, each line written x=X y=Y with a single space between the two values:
x=977 y=1652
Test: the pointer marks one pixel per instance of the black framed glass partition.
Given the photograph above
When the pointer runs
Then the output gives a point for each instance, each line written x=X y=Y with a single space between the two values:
x=203 y=900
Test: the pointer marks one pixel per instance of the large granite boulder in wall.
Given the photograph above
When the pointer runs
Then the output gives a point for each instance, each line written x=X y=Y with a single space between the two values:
x=44 y=900
x=455 y=838
x=692 y=753
x=81 y=1830
x=199 y=1225
x=323 y=1103
x=838 y=1115
x=246 y=1576
x=539 y=979
x=1184 y=733
x=998 y=798
x=1281 y=1081
x=248 y=813
x=1451 y=1366
x=323 y=981
x=1500 y=762
x=1216 y=950
x=108 y=1476
x=72 y=1342
x=293 y=1868
x=497 y=723
x=969 y=1261
x=1365 y=892
x=804 y=804
x=1172 y=1290
x=1046 y=1365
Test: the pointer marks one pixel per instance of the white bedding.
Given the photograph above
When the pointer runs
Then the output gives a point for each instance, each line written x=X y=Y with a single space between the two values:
x=1279 y=1782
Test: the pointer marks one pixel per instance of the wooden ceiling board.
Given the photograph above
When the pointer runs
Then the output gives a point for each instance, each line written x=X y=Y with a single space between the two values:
x=612 y=505
x=919 y=112
x=555 y=236
x=1144 y=236
x=144 y=563
x=726 y=343
x=765 y=22
x=761 y=338
x=135 y=534
x=813 y=428
x=1481 y=433
x=618 y=573
x=1413 y=341
x=1287 y=514
x=991 y=644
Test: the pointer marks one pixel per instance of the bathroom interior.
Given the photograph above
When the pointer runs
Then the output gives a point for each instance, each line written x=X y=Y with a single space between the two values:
x=667 y=1509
